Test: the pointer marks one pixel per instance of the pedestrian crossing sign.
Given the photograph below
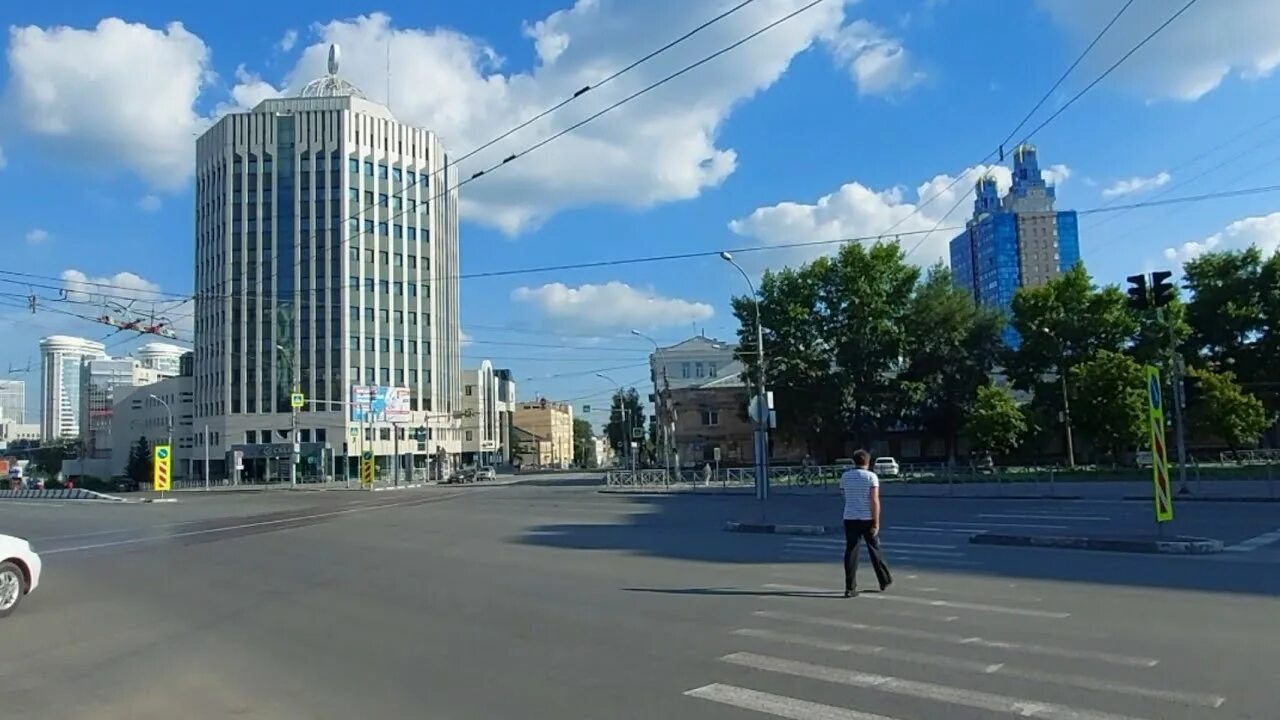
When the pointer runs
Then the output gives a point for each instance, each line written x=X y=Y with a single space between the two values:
x=1159 y=455
x=297 y=400
x=161 y=464
x=366 y=468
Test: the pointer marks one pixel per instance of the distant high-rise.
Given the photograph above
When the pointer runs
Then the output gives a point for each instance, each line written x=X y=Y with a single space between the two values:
x=326 y=251
x=164 y=358
x=1014 y=241
x=13 y=400
x=61 y=361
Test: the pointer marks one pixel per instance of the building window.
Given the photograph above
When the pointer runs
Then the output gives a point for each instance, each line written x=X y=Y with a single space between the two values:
x=383 y=286
x=385 y=344
x=368 y=226
x=382 y=199
x=413 y=178
x=399 y=288
x=368 y=168
x=469 y=436
x=684 y=370
x=468 y=390
x=384 y=433
x=399 y=317
x=385 y=375
x=383 y=257
x=710 y=417
x=413 y=318
x=399 y=258
x=368 y=344
x=250 y=437
x=382 y=171
x=697 y=369
x=711 y=369
x=413 y=259
x=413 y=347
x=397 y=232
x=382 y=314
x=382 y=229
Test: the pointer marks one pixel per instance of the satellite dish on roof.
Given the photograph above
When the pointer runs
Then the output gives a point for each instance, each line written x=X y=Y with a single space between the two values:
x=335 y=58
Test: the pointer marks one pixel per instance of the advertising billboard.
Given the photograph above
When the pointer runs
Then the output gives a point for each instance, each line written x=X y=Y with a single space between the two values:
x=379 y=403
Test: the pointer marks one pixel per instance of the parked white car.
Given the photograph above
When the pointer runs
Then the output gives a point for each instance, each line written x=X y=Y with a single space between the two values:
x=19 y=572
x=885 y=467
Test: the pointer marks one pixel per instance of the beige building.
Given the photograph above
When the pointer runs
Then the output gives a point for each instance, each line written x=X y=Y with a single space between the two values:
x=549 y=421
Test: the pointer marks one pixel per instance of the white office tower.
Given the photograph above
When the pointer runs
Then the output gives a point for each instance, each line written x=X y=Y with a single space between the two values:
x=13 y=401
x=326 y=258
x=61 y=360
x=164 y=358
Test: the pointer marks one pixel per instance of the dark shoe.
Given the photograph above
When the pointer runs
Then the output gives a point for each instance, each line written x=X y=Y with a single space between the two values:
x=886 y=586
x=851 y=593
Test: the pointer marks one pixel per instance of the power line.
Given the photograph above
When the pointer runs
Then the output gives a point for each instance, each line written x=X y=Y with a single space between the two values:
x=1000 y=149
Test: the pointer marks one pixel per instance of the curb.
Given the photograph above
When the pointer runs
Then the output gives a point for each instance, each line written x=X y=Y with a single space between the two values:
x=1193 y=498
x=73 y=494
x=1178 y=546
x=769 y=528
x=397 y=487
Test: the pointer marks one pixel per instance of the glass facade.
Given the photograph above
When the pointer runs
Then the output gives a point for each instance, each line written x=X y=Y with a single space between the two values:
x=988 y=257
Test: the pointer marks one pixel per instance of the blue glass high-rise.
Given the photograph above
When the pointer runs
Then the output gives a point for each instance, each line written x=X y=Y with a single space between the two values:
x=1018 y=240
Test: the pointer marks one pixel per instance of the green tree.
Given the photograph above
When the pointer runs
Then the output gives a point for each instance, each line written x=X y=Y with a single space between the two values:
x=951 y=348
x=625 y=414
x=582 y=453
x=1225 y=410
x=834 y=338
x=1109 y=402
x=1159 y=334
x=995 y=422
x=138 y=467
x=47 y=459
x=1064 y=323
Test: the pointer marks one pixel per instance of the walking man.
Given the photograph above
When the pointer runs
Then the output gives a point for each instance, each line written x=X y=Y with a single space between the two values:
x=861 y=490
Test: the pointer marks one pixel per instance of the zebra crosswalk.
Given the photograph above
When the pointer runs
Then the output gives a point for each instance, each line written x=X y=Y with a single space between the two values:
x=853 y=660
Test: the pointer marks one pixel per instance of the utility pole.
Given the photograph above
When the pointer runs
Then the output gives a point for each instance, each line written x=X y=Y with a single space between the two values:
x=762 y=404
x=1066 y=418
x=395 y=469
x=206 y=456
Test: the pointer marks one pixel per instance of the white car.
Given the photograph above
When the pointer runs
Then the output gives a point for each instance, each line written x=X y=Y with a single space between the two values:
x=19 y=572
x=885 y=467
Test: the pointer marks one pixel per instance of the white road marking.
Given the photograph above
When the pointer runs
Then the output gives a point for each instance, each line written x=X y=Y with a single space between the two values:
x=1029 y=648
x=966 y=530
x=919 y=588
x=980 y=607
x=989 y=702
x=1001 y=525
x=1044 y=516
x=977 y=666
x=1254 y=543
x=242 y=526
x=777 y=705
x=884 y=543
x=888 y=550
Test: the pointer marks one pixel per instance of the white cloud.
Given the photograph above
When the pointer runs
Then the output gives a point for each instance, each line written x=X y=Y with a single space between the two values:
x=464 y=338
x=1263 y=231
x=856 y=210
x=122 y=286
x=1190 y=57
x=149 y=203
x=1136 y=184
x=877 y=62
x=249 y=90
x=37 y=236
x=611 y=306
x=658 y=148
x=1056 y=174
x=123 y=96
x=289 y=39
x=118 y=95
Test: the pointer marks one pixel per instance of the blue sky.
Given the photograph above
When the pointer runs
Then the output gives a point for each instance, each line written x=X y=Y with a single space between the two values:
x=834 y=124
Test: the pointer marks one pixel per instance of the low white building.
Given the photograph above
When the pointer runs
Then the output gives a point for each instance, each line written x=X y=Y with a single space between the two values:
x=144 y=412
x=479 y=415
x=12 y=432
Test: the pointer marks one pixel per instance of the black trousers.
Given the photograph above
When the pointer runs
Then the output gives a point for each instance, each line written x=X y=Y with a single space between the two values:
x=855 y=530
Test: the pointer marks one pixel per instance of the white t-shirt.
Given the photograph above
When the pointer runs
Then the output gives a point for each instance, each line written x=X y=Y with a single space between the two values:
x=856 y=485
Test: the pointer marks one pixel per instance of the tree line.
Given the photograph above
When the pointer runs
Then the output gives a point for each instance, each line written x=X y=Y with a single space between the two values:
x=861 y=343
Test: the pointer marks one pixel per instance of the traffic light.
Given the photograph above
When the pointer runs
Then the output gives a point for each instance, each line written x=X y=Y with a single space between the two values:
x=1161 y=288
x=1138 y=298
x=1190 y=391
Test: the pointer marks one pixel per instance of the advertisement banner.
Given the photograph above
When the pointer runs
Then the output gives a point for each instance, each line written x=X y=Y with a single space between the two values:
x=379 y=403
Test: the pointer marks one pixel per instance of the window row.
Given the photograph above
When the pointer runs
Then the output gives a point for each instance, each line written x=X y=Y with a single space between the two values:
x=384 y=171
x=385 y=315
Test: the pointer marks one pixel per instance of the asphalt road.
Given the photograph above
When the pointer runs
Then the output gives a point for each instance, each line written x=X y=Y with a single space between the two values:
x=553 y=601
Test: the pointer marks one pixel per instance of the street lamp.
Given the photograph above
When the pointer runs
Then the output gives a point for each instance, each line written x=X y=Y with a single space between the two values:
x=295 y=455
x=762 y=411
x=626 y=426
x=1066 y=403
x=660 y=405
x=169 y=430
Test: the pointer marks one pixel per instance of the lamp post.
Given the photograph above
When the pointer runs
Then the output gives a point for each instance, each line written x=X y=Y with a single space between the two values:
x=762 y=408
x=295 y=454
x=1066 y=402
x=168 y=428
x=626 y=425
x=660 y=406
